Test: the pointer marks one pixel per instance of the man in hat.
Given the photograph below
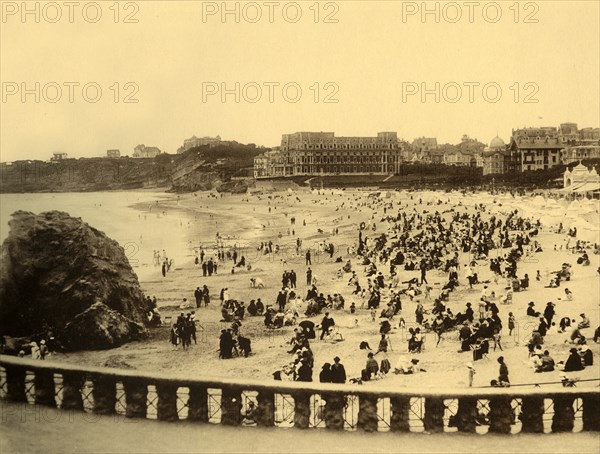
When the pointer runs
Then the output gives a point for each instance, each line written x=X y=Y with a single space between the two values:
x=326 y=323
x=338 y=372
x=464 y=335
x=549 y=313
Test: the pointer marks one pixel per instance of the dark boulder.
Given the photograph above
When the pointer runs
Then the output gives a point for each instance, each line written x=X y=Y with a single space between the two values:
x=100 y=327
x=55 y=267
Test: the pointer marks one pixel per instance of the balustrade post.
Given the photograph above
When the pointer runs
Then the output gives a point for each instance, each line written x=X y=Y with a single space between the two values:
x=136 y=398
x=71 y=398
x=400 y=412
x=591 y=410
x=334 y=410
x=434 y=414
x=367 y=412
x=265 y=415
x=231 y=405
x=15 y=384
x=466 y=414
x=167 y=402
x=104 y=392
x=301 y=410
x=564 y=414
x=501 y=414
x=44 y=388
x=532 y=415
x=198 y=404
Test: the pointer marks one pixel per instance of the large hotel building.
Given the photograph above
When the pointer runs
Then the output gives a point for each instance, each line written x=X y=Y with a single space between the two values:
x=317 y=153
x=321 y=153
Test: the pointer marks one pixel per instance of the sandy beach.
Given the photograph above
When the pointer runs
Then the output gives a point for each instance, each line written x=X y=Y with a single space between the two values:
x=245 y=221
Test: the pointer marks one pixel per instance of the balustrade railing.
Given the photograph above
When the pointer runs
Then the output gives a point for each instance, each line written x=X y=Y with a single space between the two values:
x=138 y=394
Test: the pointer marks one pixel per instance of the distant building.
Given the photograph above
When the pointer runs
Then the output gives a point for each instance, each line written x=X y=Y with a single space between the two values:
x=261 y=163
x=435 y=156
x=535 y=148
x=577 y=153
x=199 y=141
x=568 y=133
x=322 y=153
x=459 y=157
x=113 y=153
x=58 y=156
x=589 y=134
x=495 y=157
x=467 y=153
x=424 y=144
x=142 y=151
x=425 y=150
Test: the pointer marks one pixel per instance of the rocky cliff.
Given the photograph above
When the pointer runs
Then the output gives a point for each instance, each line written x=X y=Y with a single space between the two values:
x=56 y=267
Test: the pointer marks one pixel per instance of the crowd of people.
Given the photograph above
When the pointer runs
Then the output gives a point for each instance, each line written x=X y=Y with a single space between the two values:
x=418 y=240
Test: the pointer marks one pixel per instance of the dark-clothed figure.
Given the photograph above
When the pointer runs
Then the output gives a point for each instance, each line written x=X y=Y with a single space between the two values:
x=325 y=375
x=338 y=372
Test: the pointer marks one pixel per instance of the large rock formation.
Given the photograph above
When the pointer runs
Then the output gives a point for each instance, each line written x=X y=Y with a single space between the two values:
x=56 y=267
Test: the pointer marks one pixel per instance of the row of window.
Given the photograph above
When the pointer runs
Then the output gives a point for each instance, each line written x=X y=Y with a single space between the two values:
x=344 y=146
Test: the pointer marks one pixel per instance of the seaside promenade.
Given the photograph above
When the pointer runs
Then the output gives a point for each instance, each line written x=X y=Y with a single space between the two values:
x=26 y=429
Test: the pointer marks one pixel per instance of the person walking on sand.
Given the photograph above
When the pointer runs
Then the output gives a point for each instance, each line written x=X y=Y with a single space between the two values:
x=198 y=296
x=423 y=272
x=205 y=295
x=174 y=338
x=308 y=258
x=503 y=373
x=471 y=372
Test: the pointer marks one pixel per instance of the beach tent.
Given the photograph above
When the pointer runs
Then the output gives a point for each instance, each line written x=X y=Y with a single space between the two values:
x=538 y=200
x=586 y=231
x=551 y=218
x=574 y=207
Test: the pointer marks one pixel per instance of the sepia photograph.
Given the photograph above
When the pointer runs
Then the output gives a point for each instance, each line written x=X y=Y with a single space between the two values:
x=352 y=226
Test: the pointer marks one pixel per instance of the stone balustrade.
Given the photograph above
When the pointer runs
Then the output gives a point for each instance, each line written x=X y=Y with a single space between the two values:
x=340 y=407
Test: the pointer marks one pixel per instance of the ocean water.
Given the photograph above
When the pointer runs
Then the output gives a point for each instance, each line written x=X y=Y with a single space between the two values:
x=138 y=231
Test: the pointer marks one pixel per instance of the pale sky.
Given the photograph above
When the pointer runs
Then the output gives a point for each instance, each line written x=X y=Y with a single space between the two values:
x=371 y=56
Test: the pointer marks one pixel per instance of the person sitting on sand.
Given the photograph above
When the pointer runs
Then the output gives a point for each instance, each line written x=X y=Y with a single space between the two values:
x=574 y=362
x=546 y=363
x=403 y=366
x=565 y=323
x=584 y=323
x=371 y=368
x=383 y=344
x=531 y=312
x=587 y=357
